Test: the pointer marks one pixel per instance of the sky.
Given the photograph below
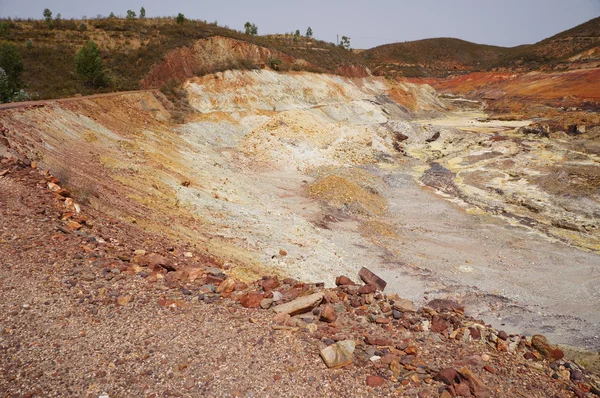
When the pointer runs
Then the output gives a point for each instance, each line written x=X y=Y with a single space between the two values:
x=368 y=23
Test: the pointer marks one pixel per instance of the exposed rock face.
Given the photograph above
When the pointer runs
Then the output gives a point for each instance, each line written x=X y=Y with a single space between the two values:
x=211 y=55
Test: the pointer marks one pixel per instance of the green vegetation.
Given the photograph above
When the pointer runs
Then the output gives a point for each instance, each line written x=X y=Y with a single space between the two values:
x=130 y=14
x=11 y=64
x=142 y=13
x=345 y=43
x=130 y=48
x=47 y=15
x=180 y=18
x=309 y=32
x=88 y=65
x=250 y=29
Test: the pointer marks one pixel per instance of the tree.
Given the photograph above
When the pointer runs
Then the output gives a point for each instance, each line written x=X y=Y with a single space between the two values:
x=142 y=13
x=48 y=15
x=180 y=18
x=58 y=17
x=345 y=43
x=130 y=14
x=309 y=32
x=112 y=15
x=250 y=29
x=88 y=65
x=297 y=33
x=5 y=91
x=12 y=64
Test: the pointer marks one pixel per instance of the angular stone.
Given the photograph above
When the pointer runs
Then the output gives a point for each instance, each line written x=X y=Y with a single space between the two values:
x=378 y=341
x=503 y=335
x=227 y=286
x=251 y=299
x=328 y=314
x=266 y=303
x=124 y=300
x=300 y=305
x=375 y=381
x=438 y=324
x=404 y=305
x=445 y=304
x=343 y=281
x=478 y=389
x=270 y=283
x=449 y=376
x=367 y=289
x=338 y=354
x=540 y=343
x=370 y=278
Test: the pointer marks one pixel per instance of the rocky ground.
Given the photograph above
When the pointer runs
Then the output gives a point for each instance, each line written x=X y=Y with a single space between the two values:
x=92 y=306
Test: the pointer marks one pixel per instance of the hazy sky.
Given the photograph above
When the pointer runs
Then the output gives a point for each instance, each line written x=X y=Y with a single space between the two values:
x=367 y=23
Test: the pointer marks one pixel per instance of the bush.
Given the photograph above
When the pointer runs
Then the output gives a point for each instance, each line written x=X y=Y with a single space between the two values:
x=180 y=18
x=88 y=65
x=12 y=64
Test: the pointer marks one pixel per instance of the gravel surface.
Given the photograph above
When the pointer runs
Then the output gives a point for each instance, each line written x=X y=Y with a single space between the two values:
x=82 y=317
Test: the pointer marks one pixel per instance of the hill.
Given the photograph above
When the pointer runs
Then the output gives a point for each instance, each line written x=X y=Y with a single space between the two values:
x=572 y=49
x=131 y=48
x=432 y=57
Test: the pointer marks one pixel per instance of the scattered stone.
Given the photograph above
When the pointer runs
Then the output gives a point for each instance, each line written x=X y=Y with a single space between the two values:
x=378 y=341
x=328 y=314
x=227 y=286
x=375 y=381
x=503 y=335
x=371 y=279
x=338 y=354
x=124 y=300
x=445 y=304
x=404 y=305
x=540 y=343
x=343 y=281
x=139 y=252
x=576 y=375
x=270 y=283
x=251 y=299
x=87 y=276
x=434 y=137
x=266 y=303
x=367 y=289
x=300 y=305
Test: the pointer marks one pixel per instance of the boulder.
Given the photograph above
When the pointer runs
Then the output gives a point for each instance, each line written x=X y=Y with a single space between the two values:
x=338 y=354
x=300 y=305
x=371 y=279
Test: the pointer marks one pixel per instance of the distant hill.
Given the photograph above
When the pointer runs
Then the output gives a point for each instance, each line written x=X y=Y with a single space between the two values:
x=441 y=57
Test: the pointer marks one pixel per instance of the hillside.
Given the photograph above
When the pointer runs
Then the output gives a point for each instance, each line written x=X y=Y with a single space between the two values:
x=441 y=57
x=130 y=49
x=565 y=50
x=431 y=57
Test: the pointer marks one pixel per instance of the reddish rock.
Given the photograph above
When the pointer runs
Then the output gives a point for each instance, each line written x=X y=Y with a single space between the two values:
x=489 y=369
x=540 y=343
x=371 y=279
x=270 y=283
x=251 y=299
x=328 y=314
x=343 y=281
x=367 y=289
x=475 y=333
x=438 y=324
x=449 y=376
x=379 y=341
x=445 y=304
x=300 y=305
x=375 y=381
x=215 y=279
x=382 y=320
x=154 y=260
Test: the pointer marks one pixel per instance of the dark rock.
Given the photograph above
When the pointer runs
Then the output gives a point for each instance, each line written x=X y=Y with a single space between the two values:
x=438 y=324
x=434 y=137
x=576 y=375
x=475 y=333
x=445 y=304
x=541 y=130
x=503 y=335
x=396 y=314
x=370 y=278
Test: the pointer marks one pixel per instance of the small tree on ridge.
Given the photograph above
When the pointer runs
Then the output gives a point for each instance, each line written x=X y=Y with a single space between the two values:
x=88 y=65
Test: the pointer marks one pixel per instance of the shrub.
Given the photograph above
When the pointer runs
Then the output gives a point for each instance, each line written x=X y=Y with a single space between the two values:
x=47 y=15
x=12 y=64
x=142 y=13
x=250 y=29
x=130 y=14
x=88 y=65
x=180 y=18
